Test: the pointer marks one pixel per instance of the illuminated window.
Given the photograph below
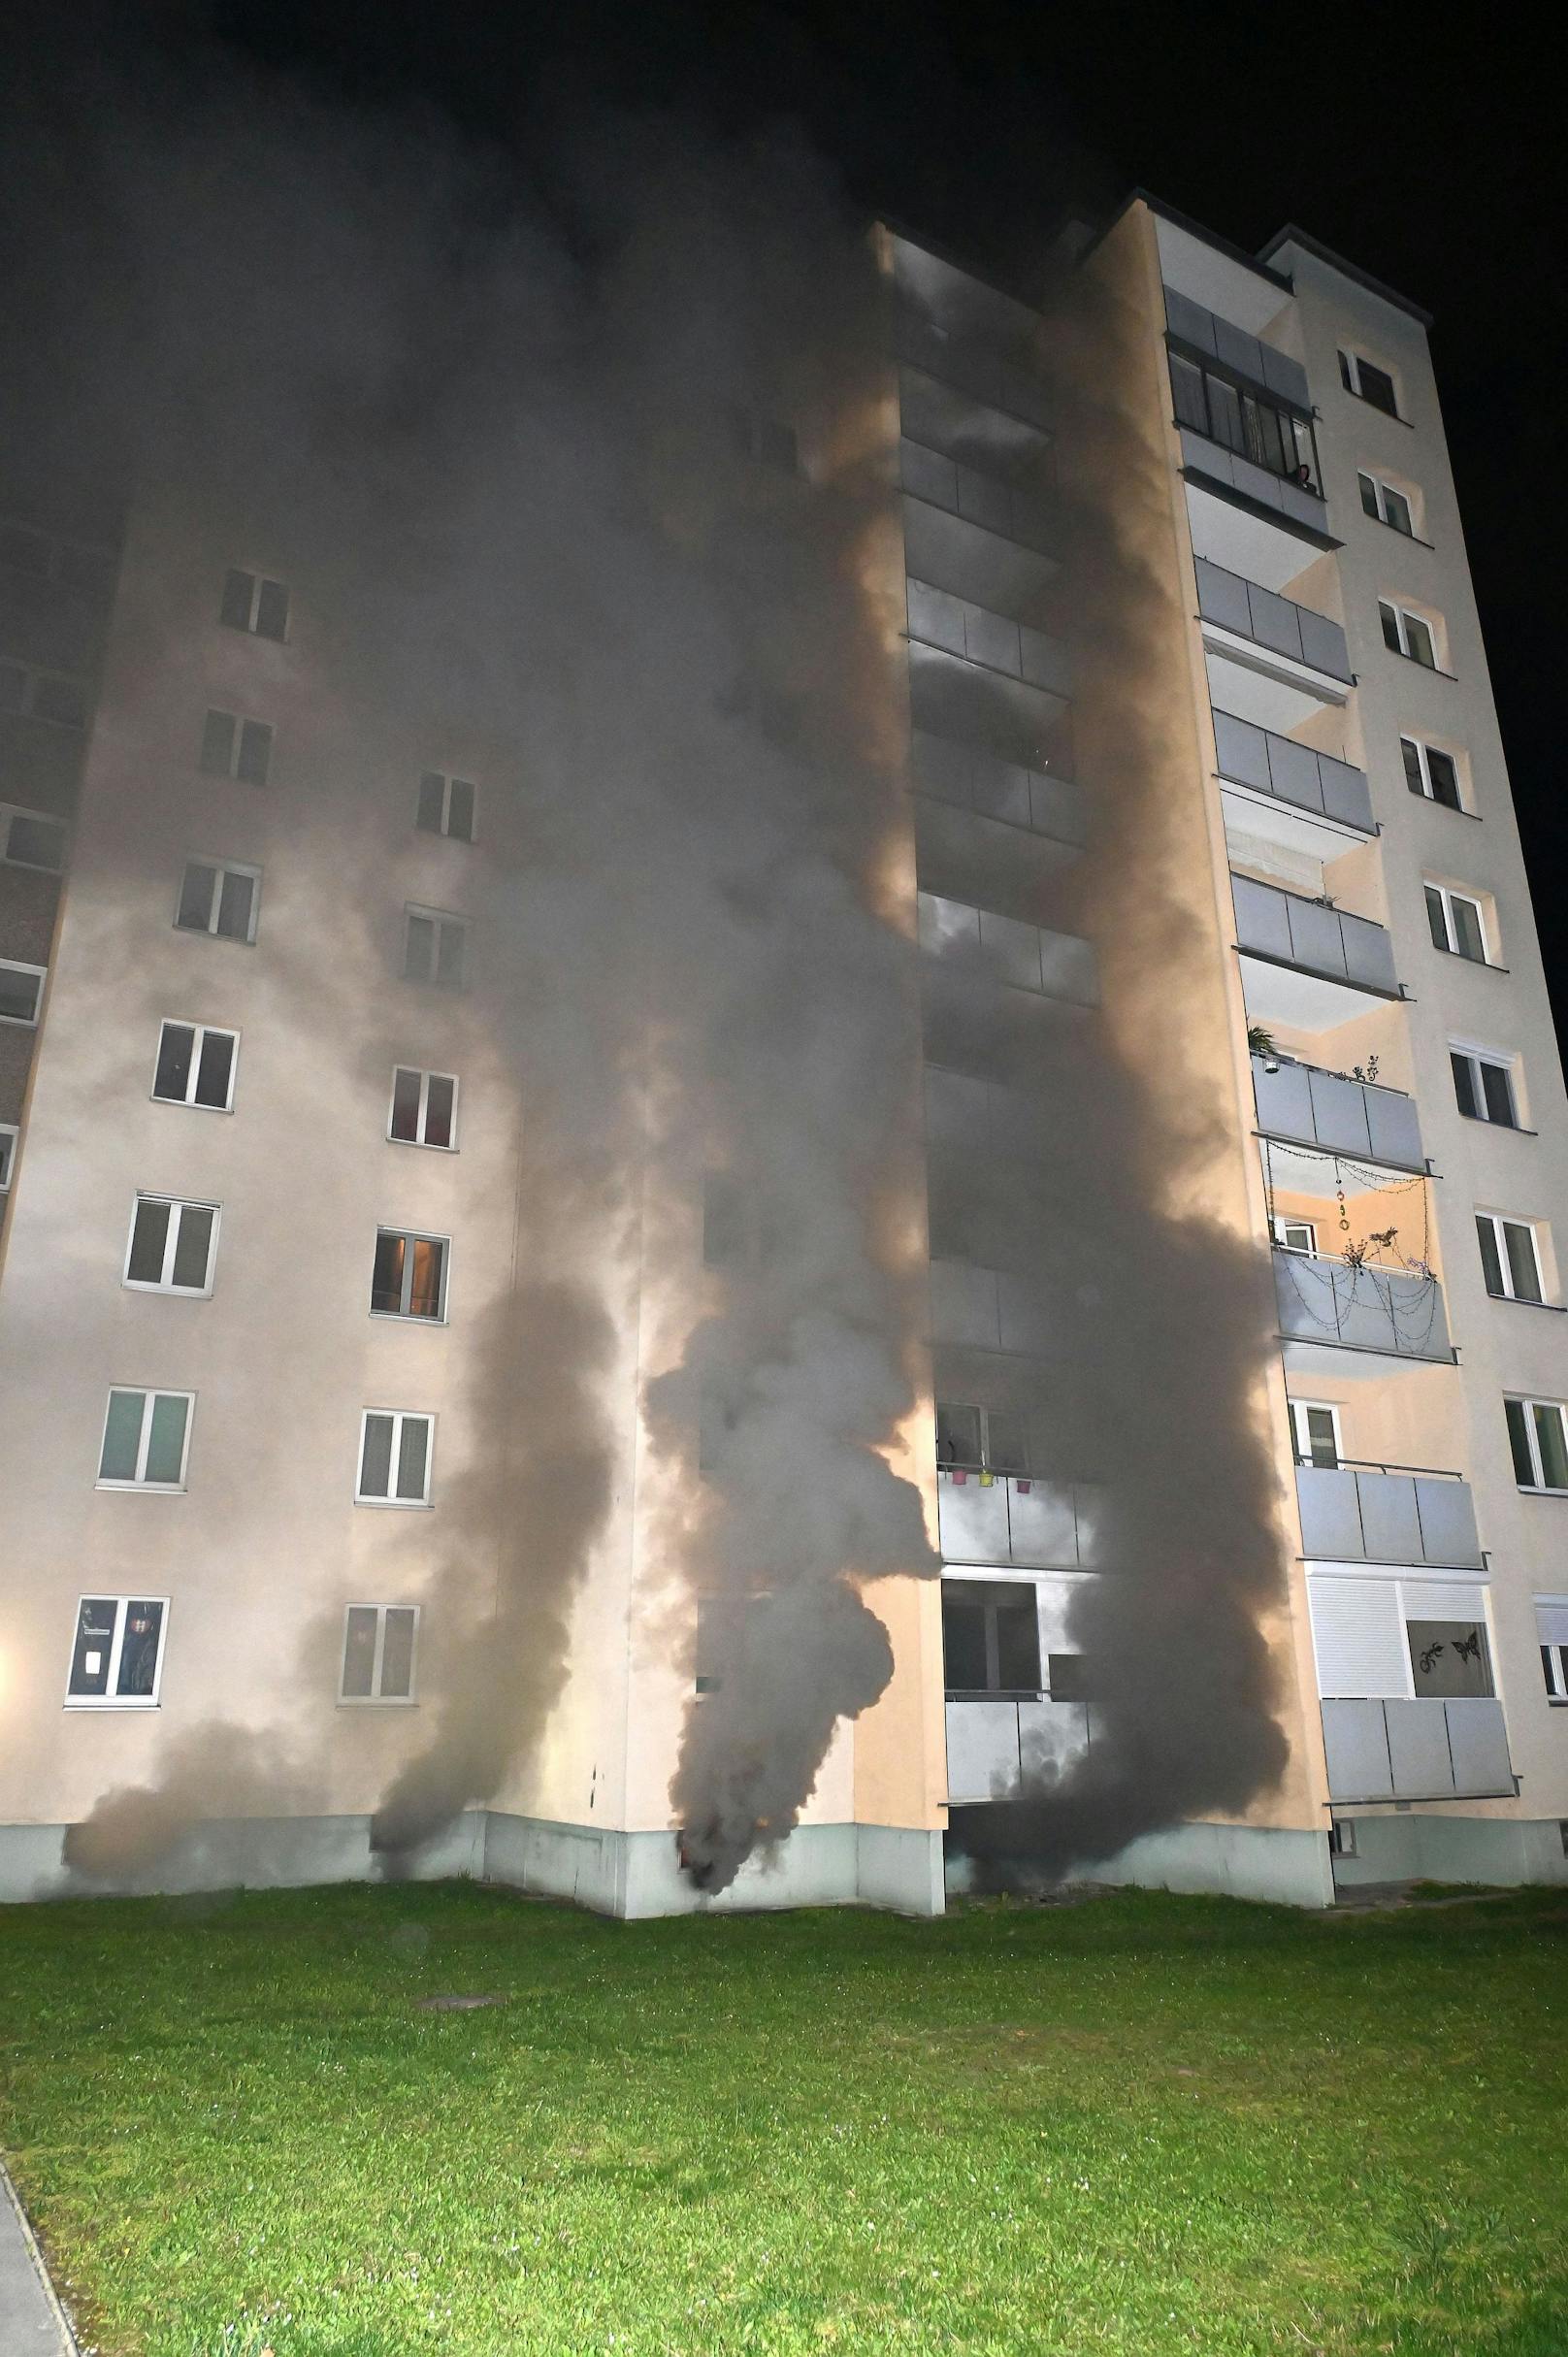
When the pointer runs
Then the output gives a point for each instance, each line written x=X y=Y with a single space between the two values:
x=409 y=1278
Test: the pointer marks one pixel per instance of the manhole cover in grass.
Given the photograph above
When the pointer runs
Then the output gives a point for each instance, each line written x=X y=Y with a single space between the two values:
x=456 y=2005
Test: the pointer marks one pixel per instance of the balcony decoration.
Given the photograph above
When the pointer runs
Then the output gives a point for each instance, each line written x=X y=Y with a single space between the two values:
x=1261 y=1040
x=1411 y=1307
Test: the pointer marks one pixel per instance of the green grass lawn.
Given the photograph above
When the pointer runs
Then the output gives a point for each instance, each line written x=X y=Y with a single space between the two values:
x=1141 y=2124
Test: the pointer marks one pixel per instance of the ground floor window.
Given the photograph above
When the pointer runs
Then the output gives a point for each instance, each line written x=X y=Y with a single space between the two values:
x=991 y=1637
x=378 y=1652
x=118 y=1656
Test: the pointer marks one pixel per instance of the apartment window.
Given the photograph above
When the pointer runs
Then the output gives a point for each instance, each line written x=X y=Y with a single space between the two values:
x=196 y=1065
x=1314 y=1432
x=1483 y=1087
x=42 y=695
x=1551 y=1629
x=9 y=1134
x=117 y=1653
x=1294 y=1236
x=447 y=805
x=378 y=1652
x=220 y=898
x=394 y=1458
x=766 y=441
x=1224 y=410
x=1386 y=505
x=254 y=603
x=1368 y=383
x=409 y=1279
x=424 y=1108
x=29 y=839
x=1456 y=924
x=1509 y=1257
x=1449 y=1659
x=433 y=947
x=980 y=1440
x=990 y=1638
x=1407 y=634
x=172 y=1245
x=236 y=747
x=21 y=990
x=1430 y=771
x=1539 y=1442
x=147 y=1435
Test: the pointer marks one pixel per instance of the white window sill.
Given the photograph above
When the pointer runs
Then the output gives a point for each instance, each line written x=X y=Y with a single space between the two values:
x=397 y=1505
x=110 y=1702
x=378 y=1702
x=144 y=1489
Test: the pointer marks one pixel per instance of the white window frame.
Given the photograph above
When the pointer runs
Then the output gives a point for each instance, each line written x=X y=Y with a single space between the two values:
x=30 y=675
x=220 y=1030
x=219 y=869
x=1350 y=377
x=1559 y=1408
x=21 y=965
x=138 y=1483
x=1382 y=493
x=448 y=779
x=988 y=1470
x=1403 y=616
x=407 y=1237
x=425 y=1079
x=1553 y=1651
x=398 y=1417
x=257 y=582
x=1282 y=1222
x=439 y=918
x=1446 y=894
x=11 y=811
x=109 y=1700
x=242 y=721
x=376 y=1696
x=1506 y=1064
x=1497 y=1221
x=1423 y=751
x=1300 y=1431
x=10 y=1140
x=177 y=1205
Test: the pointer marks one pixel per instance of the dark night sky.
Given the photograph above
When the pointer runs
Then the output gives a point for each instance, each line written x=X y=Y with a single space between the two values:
x=1413 y=143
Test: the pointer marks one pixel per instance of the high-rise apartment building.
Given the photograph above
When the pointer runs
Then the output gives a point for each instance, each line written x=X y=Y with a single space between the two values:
x=1240 y=1422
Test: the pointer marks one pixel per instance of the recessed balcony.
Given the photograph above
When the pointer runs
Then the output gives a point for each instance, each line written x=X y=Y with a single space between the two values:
x=1288 y=792
x=1397 y=1749
x=993 y=1740
x=1270 y=661
x=1009 y=1522
x=1302 y=1104
x=968 y=778
x=1336 y=1318
x=1304 y=964
x=1380 y=1514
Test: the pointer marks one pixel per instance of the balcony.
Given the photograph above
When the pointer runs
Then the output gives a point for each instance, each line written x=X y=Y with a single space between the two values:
x=977 y=945
x=1217 y=338
x=1270 y=661
x=1402 y=1750
x=1377 y=1513
x=1005 y=1521
x=1248 y=518
x=968 y=778
x=1315 y=1108
x=993 y=1740
x=1339 y=1320
x=983 y=502
x=1288 y=792
x=1306 y=965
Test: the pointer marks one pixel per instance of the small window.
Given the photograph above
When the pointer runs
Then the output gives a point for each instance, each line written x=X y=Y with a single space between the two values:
x=394 y=1458
x=254 y=603
x=118 y=1654
x=378 y=1652
x=221 y=898
x=434 y=947
x=1067 y=1678
x=1407 y=634
x=9 y=1134
x=990 y=1638
x=1431 y=772
x=1449 y=1659
x=29 y=838
x=980 y=1440
x=1509 y=1257
x=424 y=1108
x=236 y=747
x=147 y=1435
x=1551 y=1629
x=1539 y=1442
x=42 y=695
x=172 y=1246
x=21 y=990
x=1294 y=1236
x=1315 y=1430
x=196 y=1065
x=1371 y=384
x=1483 y=1087
x=1456 y=924
x=447 y=805
x=1386 y=505
x=1342 y=1837
x=409 y=1279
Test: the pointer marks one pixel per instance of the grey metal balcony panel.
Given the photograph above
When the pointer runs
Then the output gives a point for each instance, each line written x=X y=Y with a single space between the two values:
x=958 y=1108
x=1239 y=350
x=1047 y=662
x=1302 y=506
x=1355 y=1748
x=1058 y=806
x=1068 y=968
x=1283 y=374
x=1316 y=936
x=1346 y=794
x=1275 y=621
x=1242 y=751
x=1391 y=1525
x=1028 y=1325
x=1283 y=1100
x=1190 y=321
x=1419 y=1758
x=972 y=1521
x=1446 y=1511
x=935 y=616
x=1293 y=775
x=982 y=1748
x=1330 y=1514
x=992 y=639
x=982 y=500
x=1322 y=643
x=1262 y=918
x=1012 y=949
x=1368 y=953
x=1478 y=1743
x=928 y=474
x=1339 y=1113
x=1395 y=1127
x=1222 y=598
x=1044 y=1524
x=1051 y=1736
x=1366 y=1309
x=1257 y=483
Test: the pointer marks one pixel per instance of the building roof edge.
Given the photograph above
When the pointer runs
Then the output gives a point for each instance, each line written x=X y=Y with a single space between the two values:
x=1290 y=234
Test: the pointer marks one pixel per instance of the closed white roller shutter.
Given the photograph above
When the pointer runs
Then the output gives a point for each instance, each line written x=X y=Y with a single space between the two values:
x=1443 y=1600
x=1551 y=1620
x=1358 y=1634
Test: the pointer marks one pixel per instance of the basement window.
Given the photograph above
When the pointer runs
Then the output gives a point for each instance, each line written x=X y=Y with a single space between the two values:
x=117 y=1657
x=378 y=1652
x=990 y=1638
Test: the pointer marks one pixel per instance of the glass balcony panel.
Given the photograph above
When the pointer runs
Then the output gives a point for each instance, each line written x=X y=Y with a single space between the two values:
x=1317 y=938
x=1391 y=1525
x=1368 y=953
x=1446 y=1511
x=1339 y=1114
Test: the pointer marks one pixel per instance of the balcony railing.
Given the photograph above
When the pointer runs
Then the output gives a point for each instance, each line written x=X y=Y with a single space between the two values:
x=1202 y=455
x=971 y=366
x=1393 y=1311
x=1326 y=941
x=1353 y=1514
x=1206 y=332
x=1292 y=773
x=1297 y=1100
x=991 y=1742
x=980 y=634
x=1007 y=1522
x=1272 y=621
x=972 y=779
x=1404 y=1750
x=986 y=500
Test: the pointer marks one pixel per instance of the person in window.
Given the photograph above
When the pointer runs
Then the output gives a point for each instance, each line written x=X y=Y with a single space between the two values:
x=1303 y=476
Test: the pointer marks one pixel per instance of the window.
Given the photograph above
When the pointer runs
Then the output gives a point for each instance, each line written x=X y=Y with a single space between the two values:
x=1551 y=1628
x=1509 y=1257
x=1483 y=1087
x=233 y=747
x=1342 y=1837
x=766 y=442
x=145 y=1438
x=196 y=1065
x=30 y=839
x=1315 y=1430
x=1368 y=383
x=409 y=1279
x=424 y=1108
x=433 y=947
x=990 y=1638
x=1406 y=633
x=980 y=1440
x=21 y=990
x=1384 y=505
x=220 y=898
x=42 y=695
x=27 y=550
x=379 y=1650
x=1449 y=1659
x=394 y=1458
x=1456 y=924
x=1226 y=409
x=9 y=1134
x=447 y=805
x=1431 y=772
x=172 y=1246
x=1539 y=1443
x=253 y=604
x=1294 y=1236
x=118 y=1656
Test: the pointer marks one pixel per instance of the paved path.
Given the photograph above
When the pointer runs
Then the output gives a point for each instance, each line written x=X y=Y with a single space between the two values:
x=32 y=2323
